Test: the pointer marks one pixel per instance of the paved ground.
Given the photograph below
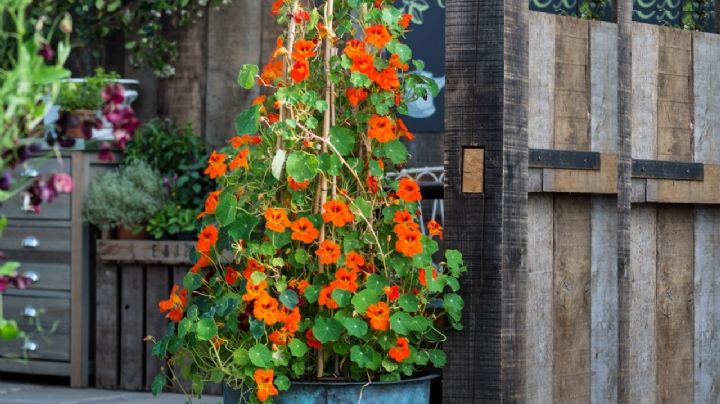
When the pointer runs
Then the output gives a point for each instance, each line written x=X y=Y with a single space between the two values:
x=24 y=393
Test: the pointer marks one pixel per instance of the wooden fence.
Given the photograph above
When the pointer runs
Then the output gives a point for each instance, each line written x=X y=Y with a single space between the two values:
x=131 y=278
x=594 y=248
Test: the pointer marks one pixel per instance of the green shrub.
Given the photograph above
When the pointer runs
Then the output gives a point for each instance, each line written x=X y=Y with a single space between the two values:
x=129 y=196
x=85 y=95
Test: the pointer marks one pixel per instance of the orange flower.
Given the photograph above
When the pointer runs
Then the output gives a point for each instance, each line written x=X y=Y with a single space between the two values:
x=291 y=320
x=402 y=130
x=210 y=204
x=276 y=219
x=354 y=47
x=296 y=186
x=356 y=95
x=300 y=71
x=328 y=252
x=301 y=15
x=400 y=351
x=409 y=243
x=266 y=309
x=311 y=340
x=300 y=285
x=174 y=304
x=354 y=260
x=386 y=79
x=421 y=276
x=239 y=141
x=216 y=165
x=240 y=160
x=379 y=314
x=405 y=20
x=251 y=267
x=397 y=63
x=303 y=50
x=264 y=380
x=325 y=297
x=434 y=229
x=405 y=222
x=207 y=239
x=275 y=9
x=338 y=213
x=363 y=62
x=254 y=291
x=381 y=129
x=372 y=184
x=271 y=72
x=377 y=35
x=392 y=292
x=231 y=275
x=303 y=230
x=201 y=263
x=408 y=190
x=280 y=337
x=346 y=280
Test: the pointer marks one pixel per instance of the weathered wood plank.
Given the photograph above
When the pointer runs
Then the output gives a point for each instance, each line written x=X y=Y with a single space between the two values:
x=638 y=377
x=131 y=327
x=675 y=314
x=540 y=299
x=638 y=190
x=706 y=129
x=107 y=331
x=603 y=181
x=541 y=91
x=572 y=91
x=604 y=290
x=673 y=191
x=155 y=251
x=535 y=179
x=157 y=280
x=603 y=87
x=645 y=55
x=571 y=300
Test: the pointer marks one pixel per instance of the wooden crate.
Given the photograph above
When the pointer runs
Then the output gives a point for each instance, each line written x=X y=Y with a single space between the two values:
x=131 y=277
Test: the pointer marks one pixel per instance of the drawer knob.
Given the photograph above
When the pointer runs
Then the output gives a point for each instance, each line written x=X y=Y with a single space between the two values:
x=30 y=242
x=32 y=276
x=29 y=172
x=30 y=345
x=30 y=311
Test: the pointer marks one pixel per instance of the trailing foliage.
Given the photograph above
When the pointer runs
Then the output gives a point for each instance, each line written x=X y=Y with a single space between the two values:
x=87 y=94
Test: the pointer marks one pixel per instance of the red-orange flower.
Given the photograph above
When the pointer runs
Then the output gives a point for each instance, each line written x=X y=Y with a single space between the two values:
x=231 y=275
x=210 y=204
x=381 y=128
x=238 y=141
x=409 y=243
x=304 y=230
x=402 y=130
x=356 y=95
x=346 y=280
x=422 y=276
x=266 y=309
x=408 y=190
x=271 y=72
x=397 y=63
x=216 y=165
x=254 y=290
x=386 y=79
x=276 y=219
x=275 y=8
x=296 y=186
x=379 y=315
x=311 y=340
x=377 y=35
x=300 y=71
x=300 y=285
x=264 y=380
x=207 y=238
x=240 y=160
x=392 y=292
x=400 y=351
x=175 y=304
x=434 y=229
x=328 y=252
x=303 y=50
x=338 y=213
x=405 y=20
x=372 y=184
x=354 y=260
x=354 y=47
x=301 y=15
x=252 y=266
x=201 y=263
x=405 y=222
x=325 y=297
x=280 y=337
x=363 y=62
x=291 y=320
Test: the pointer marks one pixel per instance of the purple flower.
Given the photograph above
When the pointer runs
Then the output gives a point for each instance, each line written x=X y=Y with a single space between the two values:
x=62 y=183
x=47 y=52
x=106 y=153
x=113 y=93
x=5 y=181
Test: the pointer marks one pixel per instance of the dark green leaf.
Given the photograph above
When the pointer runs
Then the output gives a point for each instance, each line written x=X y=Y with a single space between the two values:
x=362 y=355
x=206 y=329
x=260 y=356
x=341 y=297
x=438 y=358
x=342 y=139
x=355 y=326
x=408 y=303
x=289 y=298
x=311 y=293
x=302 y=166
x=247 y=122
x=282 y=383
x=226 y=208
x=157 y=384
x=363 y=299
x=327 y=329
x=297 y=347
x=396 y=151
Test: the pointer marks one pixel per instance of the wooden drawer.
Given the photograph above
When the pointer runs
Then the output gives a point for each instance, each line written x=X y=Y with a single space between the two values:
x=54 y=347
x=29 y=310
x=49 y=276
x=59 y=209
x=28 y=243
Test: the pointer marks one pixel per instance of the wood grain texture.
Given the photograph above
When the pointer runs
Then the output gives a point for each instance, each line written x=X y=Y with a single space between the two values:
x=79 y=278
x=674 y=305
x=107 y=327
x=132 y=315
x=706 y=89
x=228 y=49
x=603 y=87
x=638 y=377
x=539 y=341
x=541 y=90
x=157 y=283
x=571 y=299
x=638 y=190
x=603 y=181
x=473 y=170
x=150 y=251
x=706 y=305
x=604 y=297
x=672 y=191
x=645 y=59
x=572 y=84
x=674 y=130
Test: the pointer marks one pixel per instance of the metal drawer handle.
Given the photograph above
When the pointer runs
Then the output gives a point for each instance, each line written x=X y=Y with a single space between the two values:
x=32 y=276
x=30 y=345
x=29 y=172
x=30 y=242
x=30 y=311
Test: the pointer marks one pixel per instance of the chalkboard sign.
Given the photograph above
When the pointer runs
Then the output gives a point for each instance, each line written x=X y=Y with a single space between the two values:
x=427 y=41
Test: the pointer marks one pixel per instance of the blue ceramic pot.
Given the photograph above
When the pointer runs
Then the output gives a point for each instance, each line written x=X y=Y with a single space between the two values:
x=410 y=391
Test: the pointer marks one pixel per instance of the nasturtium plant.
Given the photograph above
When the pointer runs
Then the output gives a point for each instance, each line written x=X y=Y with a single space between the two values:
x=310 y=263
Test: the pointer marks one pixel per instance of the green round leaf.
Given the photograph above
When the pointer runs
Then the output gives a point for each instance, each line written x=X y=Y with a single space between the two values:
x=289 y=298
x=363 y=299
x=342 y=139
x=355 y=326
x=246 y=76
x=282 y=383
x=408 y=303
x=341 y=297
x=327 y=329
x=247 y=122
x=226 y=208
x=260 y=356
x=297 y=347
x=302 y=166
x=362 y=355
x=311 y=293
x=241 y=357
x=438 y=358
x=206 y=329
x=396 y=151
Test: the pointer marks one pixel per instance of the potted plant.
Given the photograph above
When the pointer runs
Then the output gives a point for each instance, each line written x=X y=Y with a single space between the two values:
x=79 y=102
x=125 y=199
x=312 y=279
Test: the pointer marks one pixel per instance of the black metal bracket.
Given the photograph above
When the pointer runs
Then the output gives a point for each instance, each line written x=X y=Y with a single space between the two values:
x=564 y=159
x=668 y=170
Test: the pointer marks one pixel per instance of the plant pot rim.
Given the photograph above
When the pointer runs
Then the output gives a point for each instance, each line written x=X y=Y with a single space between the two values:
x=347 y=383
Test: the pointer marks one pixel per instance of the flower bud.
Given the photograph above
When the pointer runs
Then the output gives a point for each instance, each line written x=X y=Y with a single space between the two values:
x=66 y=24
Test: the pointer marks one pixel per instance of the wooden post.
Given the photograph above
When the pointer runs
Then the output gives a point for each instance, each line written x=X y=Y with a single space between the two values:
x=486 y=106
